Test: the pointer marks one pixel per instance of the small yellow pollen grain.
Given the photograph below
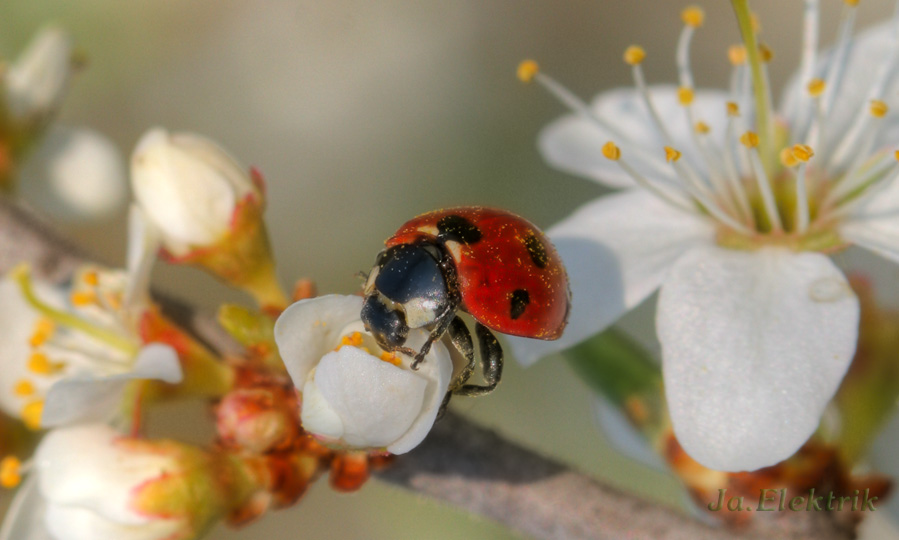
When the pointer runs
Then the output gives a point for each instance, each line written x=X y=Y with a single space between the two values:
x=390 y=358
x=787 y=158
x=91 y=278
x=702 y=127
x=765 y=52
x=611 y=151
x=879 y=109
x=40 y=364
x=527 y=70
x=634 y=54
x=802 y=152
x=83 y=298
x=749 y=139
x=685 y=95
x=671 y=154
x=816 y=87
x=10 y=472
x=736 y=54
x=24 y=388
x=733 y=109
x=43 y=329
x=693 y=16
x=31 y=414
x=353 y=340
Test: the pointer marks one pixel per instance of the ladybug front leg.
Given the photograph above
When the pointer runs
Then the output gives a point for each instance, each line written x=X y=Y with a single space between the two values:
x=461 y=338
x=491 y=363
x=443 y=323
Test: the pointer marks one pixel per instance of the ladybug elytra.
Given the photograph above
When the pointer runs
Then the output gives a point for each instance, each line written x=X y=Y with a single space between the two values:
x=490 y=263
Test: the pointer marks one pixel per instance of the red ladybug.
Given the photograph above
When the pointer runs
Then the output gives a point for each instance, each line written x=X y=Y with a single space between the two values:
x=491 y=263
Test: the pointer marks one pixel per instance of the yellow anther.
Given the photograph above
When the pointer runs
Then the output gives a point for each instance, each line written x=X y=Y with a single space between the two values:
x=693 y=16
x=736 y=54
x=91 y=278
x=787 y=158
x=24 y=388
x=83 y=298
x=390 y=358
x=702 y=127
x=733 y=109
x=527 y=70
x=634 y=54
x=685 y=95
x=10 y=472
x=754 y=21
x=765 y=53
x=802 y=152
x=31 y=414
x=40 y=364
x=43 y=330
x=671 y=154
x=879 y=109
x=749 y=139
x=353 y=340
x=852 y=3
x=611 y=151
x=816 y=87
x=896 y=155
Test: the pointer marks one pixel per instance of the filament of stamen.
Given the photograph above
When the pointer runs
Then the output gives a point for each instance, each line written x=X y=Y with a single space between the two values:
x=810 y=36
x=837 y=65
x=750 y=141
x=21 y=276
x=575 y=104
x=612 y=152
x=640 y=83
x=849 y=205
x=802 y=154
x=859 y=180
x=733 y=173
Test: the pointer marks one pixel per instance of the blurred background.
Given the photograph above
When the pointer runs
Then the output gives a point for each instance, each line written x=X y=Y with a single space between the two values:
x=363 y=114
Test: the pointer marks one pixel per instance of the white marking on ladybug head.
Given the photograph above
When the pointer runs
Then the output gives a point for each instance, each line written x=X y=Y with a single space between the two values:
x=455 y=249
x=420 y=312
x=370 y=282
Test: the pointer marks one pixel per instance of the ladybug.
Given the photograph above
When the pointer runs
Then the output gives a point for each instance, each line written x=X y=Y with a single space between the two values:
x=490 y=263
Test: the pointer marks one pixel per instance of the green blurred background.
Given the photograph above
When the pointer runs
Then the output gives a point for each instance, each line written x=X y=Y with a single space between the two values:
x=363 y=114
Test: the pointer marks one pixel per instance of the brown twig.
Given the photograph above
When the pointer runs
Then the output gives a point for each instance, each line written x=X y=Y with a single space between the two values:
x=468 y=466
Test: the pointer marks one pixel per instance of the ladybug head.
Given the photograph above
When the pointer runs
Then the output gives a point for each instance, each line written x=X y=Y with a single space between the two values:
x=406 y=289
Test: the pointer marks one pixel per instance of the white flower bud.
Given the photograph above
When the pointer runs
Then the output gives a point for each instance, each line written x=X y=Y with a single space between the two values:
x=354 y=394
x=189 y=188
x=98 y=484
x=37 y=82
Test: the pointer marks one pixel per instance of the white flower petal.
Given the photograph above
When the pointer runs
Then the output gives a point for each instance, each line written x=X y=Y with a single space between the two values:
x=74 y=523
x=75 y=175
x=24 y=518
x=754 y=345
x=308 y=329
x=617 y=250
x=85 y=465
x=143 y=244
x=376 y=401
x=94 y=397
x=574 y=144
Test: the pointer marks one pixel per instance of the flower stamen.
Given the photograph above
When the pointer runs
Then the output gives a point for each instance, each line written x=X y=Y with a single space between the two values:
x=750 y=140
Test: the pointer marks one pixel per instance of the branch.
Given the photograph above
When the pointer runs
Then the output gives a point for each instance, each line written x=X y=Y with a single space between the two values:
x=465 y=465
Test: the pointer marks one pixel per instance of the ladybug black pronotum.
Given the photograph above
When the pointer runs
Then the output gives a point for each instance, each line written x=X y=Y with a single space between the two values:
x=492 y=264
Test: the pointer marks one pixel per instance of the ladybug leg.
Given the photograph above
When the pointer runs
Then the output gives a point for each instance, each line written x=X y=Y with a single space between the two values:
x=443 y=323
x=461 y=338
x=491 y=363
x=442 y=410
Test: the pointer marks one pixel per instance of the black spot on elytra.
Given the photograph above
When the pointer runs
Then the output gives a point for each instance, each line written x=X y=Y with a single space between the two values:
x=536 y=250
x=520 y=300
x=458 y=229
